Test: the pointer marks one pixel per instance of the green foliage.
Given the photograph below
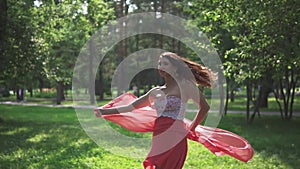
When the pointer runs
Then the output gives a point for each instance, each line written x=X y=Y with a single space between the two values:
x=257 y=41
x=45 y=95
x=42 y=42
x=247 y=34
x=20 y=64
x=71 y=24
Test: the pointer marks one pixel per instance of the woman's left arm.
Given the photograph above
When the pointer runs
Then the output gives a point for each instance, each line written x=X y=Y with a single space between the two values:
x=204 y=108
x=200 y=100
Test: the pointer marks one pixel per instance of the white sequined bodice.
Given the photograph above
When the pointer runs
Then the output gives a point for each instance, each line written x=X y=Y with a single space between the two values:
x=170 y=106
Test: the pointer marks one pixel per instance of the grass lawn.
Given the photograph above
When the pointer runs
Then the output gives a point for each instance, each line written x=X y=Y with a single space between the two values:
x=41 y=137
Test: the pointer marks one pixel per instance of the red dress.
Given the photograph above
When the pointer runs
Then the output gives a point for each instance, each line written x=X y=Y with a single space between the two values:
x=170 y=133
x=169 y=145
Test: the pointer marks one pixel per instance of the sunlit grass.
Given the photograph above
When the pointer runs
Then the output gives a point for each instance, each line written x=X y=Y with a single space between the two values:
x=39 y=137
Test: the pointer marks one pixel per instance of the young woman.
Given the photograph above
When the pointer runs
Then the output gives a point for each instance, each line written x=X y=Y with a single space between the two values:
x=170 y=128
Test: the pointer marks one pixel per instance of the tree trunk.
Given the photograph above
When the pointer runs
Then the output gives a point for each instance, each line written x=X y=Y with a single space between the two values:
x=257 y=103
x=162 y=5
x=293 y=86
x=179 y=47
x=284 y=98
x=91 y=84
x=59 y=93
x=31 y=92
x=222 y=93
x=125 y=30
x=276 y=94
x=20 y=94
x=249 y=96
x=120 y=47
x=137 y=42
x=3 y=11
x=232 y=95
x=3 y=24
x=155 y=36
x=101 y=85
x=41 y=85
x=227 y=99
x=264 y=96
x=3 y=17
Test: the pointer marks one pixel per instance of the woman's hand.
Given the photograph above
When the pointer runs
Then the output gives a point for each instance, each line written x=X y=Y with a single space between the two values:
x=97 y=112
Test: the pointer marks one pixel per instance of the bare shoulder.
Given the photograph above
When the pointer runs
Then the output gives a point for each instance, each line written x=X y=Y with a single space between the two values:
x=190 y=89
x=154 y=91
x=188 y=83
x=189 y=86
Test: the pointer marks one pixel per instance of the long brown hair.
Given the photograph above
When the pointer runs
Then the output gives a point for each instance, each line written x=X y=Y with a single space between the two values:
x=202 y=75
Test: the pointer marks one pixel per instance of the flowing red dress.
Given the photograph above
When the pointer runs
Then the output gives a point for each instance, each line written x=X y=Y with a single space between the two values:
x=170 y=134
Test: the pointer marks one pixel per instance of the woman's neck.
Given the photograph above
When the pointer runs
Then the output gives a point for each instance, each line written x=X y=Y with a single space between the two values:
x=170 y=82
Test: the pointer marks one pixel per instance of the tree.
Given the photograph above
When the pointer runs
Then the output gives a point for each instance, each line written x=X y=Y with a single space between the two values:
x=253 y=27
x=20 y=61
x=70 y=24
x=3 y=32
x=285 y=52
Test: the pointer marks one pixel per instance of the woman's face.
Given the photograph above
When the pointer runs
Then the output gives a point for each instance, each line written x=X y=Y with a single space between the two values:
x=165 y=67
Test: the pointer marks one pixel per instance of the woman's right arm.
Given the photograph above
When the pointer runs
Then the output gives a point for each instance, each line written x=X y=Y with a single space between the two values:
x=140 y=102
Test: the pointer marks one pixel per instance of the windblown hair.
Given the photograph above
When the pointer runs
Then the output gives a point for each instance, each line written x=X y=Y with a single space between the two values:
x=186 y=69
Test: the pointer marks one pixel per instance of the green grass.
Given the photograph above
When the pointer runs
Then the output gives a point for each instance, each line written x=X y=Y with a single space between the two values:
x=40 y=137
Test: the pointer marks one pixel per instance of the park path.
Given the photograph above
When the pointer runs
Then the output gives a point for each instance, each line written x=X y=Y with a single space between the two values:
x=92 y=107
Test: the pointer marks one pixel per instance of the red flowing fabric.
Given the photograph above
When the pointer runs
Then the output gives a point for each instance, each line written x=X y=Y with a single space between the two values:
x=218 y=141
